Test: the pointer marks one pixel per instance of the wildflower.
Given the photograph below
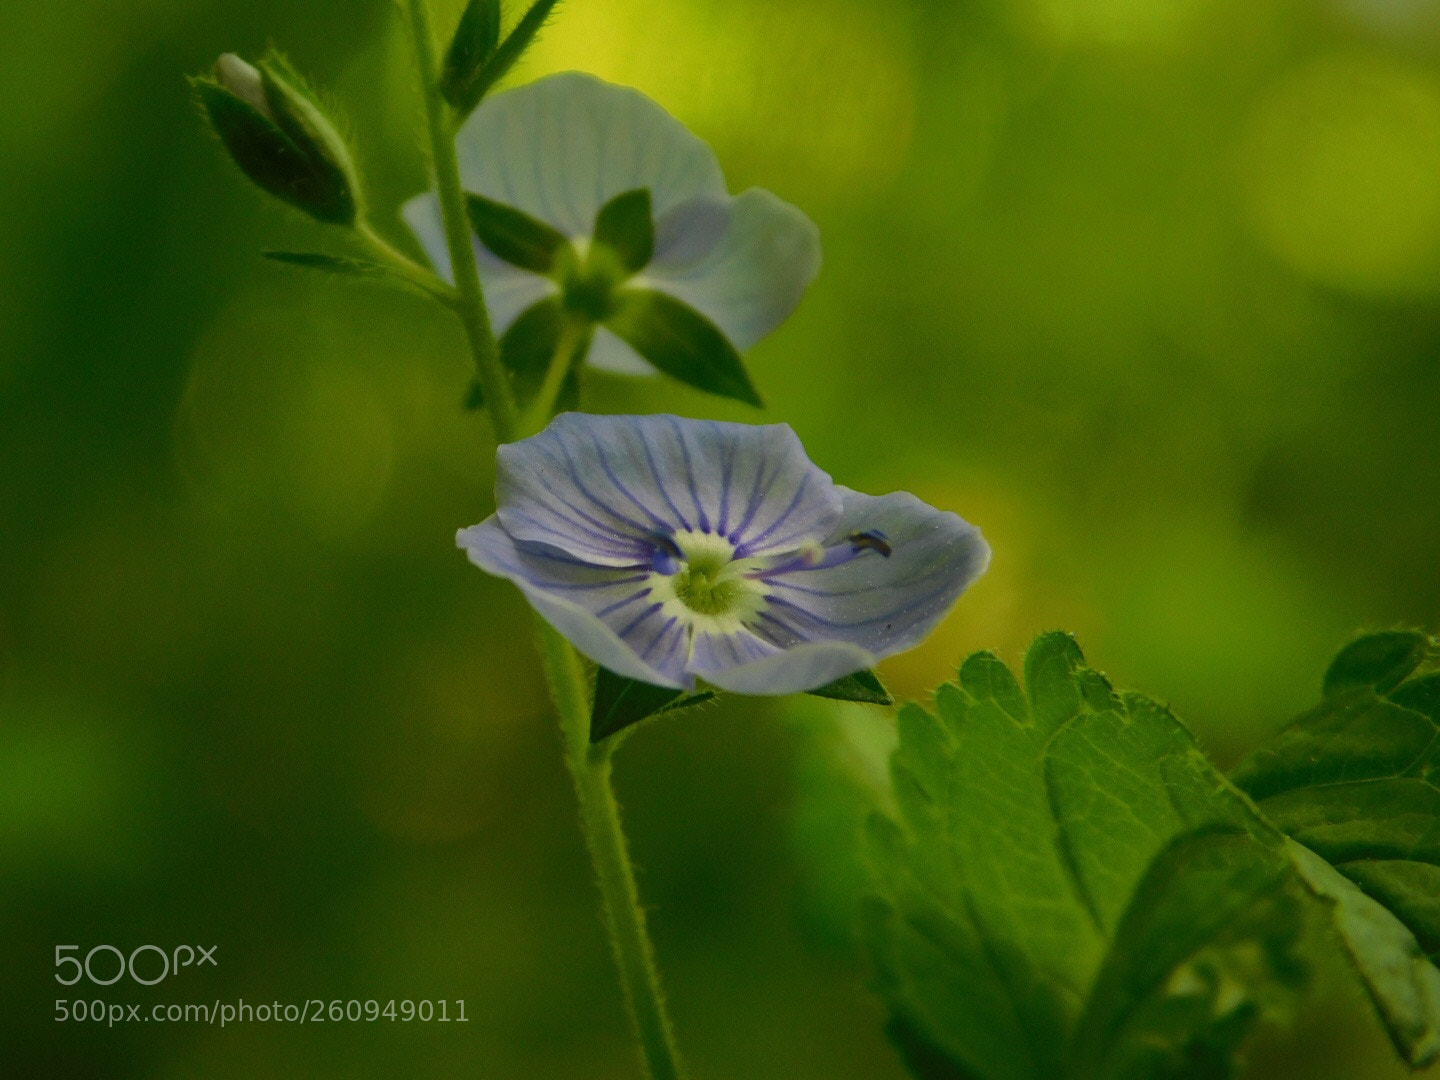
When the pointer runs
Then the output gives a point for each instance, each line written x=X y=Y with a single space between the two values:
x=594 y=206
x=668 y=549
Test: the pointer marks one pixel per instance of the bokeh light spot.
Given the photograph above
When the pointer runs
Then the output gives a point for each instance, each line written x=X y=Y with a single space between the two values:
x=1340 y=167
x=814 y=98
x=275 y=420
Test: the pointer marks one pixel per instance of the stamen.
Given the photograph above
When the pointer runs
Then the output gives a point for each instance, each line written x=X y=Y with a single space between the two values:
x=666 y=556
x=874 y=540
x=815 y=557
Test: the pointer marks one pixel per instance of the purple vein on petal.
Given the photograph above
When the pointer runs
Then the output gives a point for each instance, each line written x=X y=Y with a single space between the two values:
x=670 y=624
x=727 y=467
x=651 y=610
x=574 y=475
x=750 y=545
x=621 y=604
x=834 y=625
x=690 y=475
x=660 y=522
x=660 y=483
x=606 y=538
x=752 y=506
x=779 y=582
x=542 y=550
x=584 y=586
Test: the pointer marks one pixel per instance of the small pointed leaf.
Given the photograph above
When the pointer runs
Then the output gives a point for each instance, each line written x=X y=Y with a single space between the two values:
x=1379 y=661
x=474 y=43
x=626 y=226
x=863 y=686
x=514 y=235
x=334 y=264
x=622 y=702
x=469 y=95
x=682 y=343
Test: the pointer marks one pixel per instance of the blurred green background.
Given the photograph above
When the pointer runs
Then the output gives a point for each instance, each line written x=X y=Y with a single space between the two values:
x=1145 y=288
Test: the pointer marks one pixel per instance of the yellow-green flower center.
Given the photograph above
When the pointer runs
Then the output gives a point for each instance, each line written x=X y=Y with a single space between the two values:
x=711 y=589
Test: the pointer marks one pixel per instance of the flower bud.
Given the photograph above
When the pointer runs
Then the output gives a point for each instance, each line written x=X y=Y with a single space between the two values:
x=278 y=134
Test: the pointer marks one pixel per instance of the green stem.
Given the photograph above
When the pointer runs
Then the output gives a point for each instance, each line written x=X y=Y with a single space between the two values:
x=569 y=687
x=402 y=266
x=575 y=336
x=605 y=837
x=471 y=308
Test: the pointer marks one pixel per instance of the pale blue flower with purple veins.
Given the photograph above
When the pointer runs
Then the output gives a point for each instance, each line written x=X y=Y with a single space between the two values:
x=669 y=550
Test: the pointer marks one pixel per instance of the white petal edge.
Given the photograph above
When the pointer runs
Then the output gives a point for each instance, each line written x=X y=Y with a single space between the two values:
x=581 y=628
x=562 y=147
x=756 y=275
x=609 y=353
x=795 y=670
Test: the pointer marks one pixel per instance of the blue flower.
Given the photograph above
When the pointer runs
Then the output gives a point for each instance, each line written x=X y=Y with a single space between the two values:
x=668 y=549
x=563 y=148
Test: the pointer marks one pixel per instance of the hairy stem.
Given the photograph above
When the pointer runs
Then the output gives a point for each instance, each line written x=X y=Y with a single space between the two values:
x=600 y=815
x=402 y=266
x=471 y=306
x=569 y=687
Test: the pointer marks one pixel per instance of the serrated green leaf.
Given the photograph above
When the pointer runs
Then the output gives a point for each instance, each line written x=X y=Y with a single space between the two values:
x=1071 y=890
x=1403 y=984
x=476 y=38
x=863 y=686
x=1049 y=666
x=621 y=702
x=514 y=235
x=1356 y=783
x=681 y=342
x=626 y=226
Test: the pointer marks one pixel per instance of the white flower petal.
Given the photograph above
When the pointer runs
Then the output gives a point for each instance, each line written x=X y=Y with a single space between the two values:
x=562 y=147
x=687 y=233
x=605 y=613
x=791 y=671
x=754 y=278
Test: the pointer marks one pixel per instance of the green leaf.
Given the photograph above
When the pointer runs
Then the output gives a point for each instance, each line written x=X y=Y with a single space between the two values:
x=1070 y=889
x=1379 y=661
x=468 y=96
x=621 y=702
x=474 y=43
x=864 y=686
x=682 y=343
x=1356 y=782
x=530 y=342
x=626 y=226
x=514 y=235
x=1403 y=984
x=333 y=264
